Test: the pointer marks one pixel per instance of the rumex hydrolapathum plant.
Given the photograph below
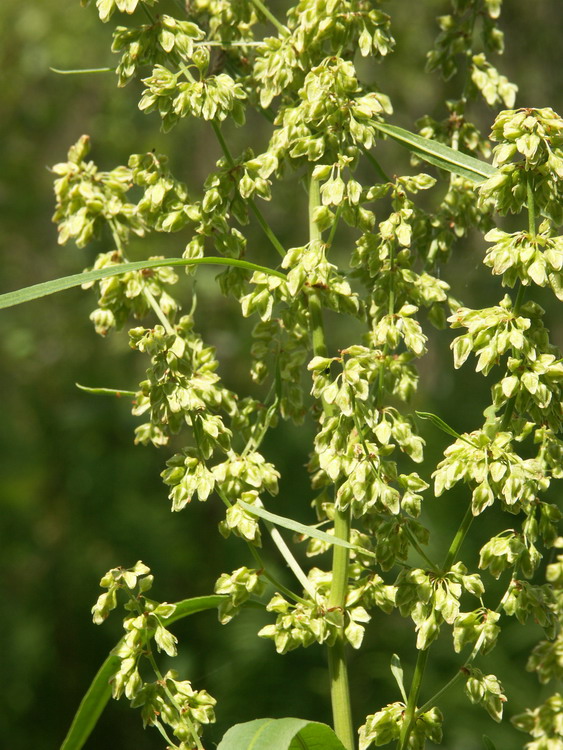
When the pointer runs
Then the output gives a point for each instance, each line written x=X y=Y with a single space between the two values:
x=369 y=478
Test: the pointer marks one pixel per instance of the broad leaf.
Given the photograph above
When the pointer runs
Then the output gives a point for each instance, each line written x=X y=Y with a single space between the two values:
x=438 y=154
x=280 y=734
x=67 y=282
x=99 y=692
x=300 y=528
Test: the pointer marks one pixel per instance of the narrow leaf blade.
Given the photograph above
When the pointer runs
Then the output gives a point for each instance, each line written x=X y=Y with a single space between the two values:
x=438 y=422
x=280 y=734
x=438 y=154
x=91 y=705
x=106 y=391
x=98 y=694
x=68 y=282
x=300 y=528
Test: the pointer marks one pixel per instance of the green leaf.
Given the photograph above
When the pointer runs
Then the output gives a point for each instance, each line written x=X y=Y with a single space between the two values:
x=91 y=705
x=488 y=743
x=106 y=391
x=280 y=734
x=438 y=154
x=442 y=426
x=300 y=528
x=397 y=671
x=99 y=692
x=68 y=282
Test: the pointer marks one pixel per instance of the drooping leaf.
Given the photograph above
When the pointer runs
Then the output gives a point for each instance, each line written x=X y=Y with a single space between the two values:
x=68 y=282
x=444 y=426
x=300 y=528
x=99 y=692
x=280 y=734
x=438 y=154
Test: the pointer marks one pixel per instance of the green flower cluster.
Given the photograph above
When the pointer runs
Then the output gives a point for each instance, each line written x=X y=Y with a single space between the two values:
x=385 y=726
x=431 y=599
x=535 y=138
x=87 y=199
x=351 y=394
x=167 y=701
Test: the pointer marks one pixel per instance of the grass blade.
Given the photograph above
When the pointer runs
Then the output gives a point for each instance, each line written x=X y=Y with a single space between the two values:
x=117 y=392
x=99 y=692
x=438 y=154
x=68 y=282
x=300 y=528
x=91 y=705
x=444 y=426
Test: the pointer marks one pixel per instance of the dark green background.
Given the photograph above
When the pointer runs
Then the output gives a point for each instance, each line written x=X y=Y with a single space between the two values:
x=76 y=497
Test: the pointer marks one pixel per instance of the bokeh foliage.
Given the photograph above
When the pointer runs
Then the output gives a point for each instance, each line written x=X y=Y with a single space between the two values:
x=77 y=497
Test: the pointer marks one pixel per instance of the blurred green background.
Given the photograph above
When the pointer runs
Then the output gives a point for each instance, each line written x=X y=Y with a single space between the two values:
x=76 y=497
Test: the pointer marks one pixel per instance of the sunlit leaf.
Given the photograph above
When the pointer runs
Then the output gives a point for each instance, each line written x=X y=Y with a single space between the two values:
x=438 y=154
x=68 y=282
x=280 y=734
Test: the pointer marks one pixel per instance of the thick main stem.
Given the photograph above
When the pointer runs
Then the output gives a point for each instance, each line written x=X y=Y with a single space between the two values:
x=338 y=668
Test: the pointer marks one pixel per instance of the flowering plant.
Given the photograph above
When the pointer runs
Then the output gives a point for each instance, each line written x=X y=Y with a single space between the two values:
x=369 y=475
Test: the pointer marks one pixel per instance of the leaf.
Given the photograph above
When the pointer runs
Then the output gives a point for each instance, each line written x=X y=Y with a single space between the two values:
x=438 y=154
x=300 y=528
x=397 y=671
x=106 y=391
x=67 y=282
x=280 y=734
x=442 y=426
x=488 y=743
x=99 y=692
x=91 y=705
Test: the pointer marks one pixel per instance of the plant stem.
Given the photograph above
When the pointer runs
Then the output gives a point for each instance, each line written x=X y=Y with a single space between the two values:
x=251 y=204
x=337 y=665
x=259 y=5
x=410 y=712
x=285 y=552
x=461 y=533
x=376 y=165
x=531 y=206
x=459 y=674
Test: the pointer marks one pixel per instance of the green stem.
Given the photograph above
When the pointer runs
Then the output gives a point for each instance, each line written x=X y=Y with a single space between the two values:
x=410 y=711
x=376 y=165
x=152 y=661
x=285 y=552
x=337 y=664
x=459 y=674
x=531 y=206
x=76 y=71
x=251 y=204
x=270 y=16
x=461 y=533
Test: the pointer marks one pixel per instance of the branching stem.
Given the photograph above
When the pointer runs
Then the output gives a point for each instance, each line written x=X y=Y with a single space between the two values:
x=251 y=203
x=338 y=668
